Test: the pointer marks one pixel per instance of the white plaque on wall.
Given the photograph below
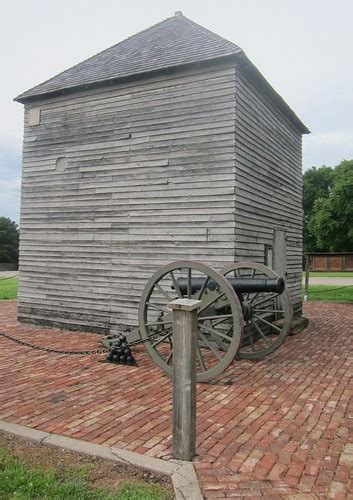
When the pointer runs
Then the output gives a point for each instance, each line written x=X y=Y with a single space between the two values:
x=34 y=116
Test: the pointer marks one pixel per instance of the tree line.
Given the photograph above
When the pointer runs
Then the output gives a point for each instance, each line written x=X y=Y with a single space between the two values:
x=9 y=239
x=328 y=208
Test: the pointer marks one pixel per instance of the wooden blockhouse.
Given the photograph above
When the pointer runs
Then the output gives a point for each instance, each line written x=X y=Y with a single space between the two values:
x=169 y=145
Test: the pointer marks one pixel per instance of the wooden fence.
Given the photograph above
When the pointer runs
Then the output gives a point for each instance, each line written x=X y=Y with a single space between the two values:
x=331 y=261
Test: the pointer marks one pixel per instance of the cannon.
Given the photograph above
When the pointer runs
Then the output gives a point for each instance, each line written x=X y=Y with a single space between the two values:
x=240 y=285
x=245 y=313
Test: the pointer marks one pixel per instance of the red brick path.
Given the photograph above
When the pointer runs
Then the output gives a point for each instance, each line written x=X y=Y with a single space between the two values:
x=279 y=427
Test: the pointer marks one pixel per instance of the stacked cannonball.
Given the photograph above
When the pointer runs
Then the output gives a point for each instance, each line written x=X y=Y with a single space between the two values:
x=120 y=352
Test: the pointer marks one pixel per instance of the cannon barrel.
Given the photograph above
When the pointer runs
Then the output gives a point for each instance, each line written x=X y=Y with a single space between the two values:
x=240 y=285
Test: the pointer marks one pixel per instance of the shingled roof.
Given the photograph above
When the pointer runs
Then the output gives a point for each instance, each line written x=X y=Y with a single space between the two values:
x=176 y=41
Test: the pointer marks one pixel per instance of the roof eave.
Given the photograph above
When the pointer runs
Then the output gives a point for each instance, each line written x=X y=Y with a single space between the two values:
x=245 y=64
x=25 y=99
x=260 y=81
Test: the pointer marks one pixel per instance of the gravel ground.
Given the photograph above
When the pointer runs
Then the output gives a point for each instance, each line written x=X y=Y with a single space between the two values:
x=318 y=280
x=7 y=274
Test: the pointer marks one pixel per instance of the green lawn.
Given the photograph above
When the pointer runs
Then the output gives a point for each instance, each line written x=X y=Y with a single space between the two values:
x=18 y=480
x=8 y=288
x=329 y=292
x=342 y=274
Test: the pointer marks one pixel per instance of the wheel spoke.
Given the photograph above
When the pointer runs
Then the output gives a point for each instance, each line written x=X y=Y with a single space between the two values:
x=203 y=288
x=216 y=332
x=211 y=302
x=254 y=297
x=189 y=284
x=269 y=310
x=200 y=357
x=157 y=307
x=176 y=286
x=157 y=323
x=164 y=292
x=225 y=316
x=209 y=345
x=268 y=323
x=260 y=332
x=161 y=339
x=220 y=321
x=265 y=299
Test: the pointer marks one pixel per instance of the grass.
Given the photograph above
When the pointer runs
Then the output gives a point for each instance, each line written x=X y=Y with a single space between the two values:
x=329 y=274
x=329 y=292
x=8 y=288
x=18 y=480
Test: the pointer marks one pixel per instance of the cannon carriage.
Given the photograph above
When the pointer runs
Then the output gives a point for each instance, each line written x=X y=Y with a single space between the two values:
x=245 y=313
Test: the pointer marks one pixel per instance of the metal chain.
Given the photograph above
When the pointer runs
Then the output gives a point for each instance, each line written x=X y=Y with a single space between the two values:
x=58 y=351
x=138 y=341
x=49 y=349
x=151 y=337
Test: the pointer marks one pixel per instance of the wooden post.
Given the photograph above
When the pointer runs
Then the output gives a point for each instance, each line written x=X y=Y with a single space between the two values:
x=184 y=377
x=306 y=282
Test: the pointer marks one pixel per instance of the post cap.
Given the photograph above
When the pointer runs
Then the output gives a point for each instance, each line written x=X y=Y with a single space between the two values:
x=185 y=304
x=178 y=13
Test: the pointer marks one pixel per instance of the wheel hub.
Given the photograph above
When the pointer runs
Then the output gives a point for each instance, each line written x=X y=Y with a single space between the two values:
x=247 y=310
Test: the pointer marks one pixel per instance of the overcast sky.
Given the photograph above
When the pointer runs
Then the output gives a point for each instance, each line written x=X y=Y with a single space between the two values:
x=304 y=48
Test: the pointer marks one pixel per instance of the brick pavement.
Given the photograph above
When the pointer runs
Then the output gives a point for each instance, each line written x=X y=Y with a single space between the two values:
x=281 y=427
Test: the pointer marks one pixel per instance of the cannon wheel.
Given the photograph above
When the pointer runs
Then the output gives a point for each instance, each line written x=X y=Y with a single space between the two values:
x=154 y=316
x=267 y=316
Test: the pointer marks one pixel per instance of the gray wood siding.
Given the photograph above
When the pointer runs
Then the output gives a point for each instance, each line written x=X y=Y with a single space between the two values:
x=150 y=179
x=268 y=182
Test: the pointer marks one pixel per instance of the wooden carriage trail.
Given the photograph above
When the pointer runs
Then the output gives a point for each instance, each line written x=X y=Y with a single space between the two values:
x=278 y=427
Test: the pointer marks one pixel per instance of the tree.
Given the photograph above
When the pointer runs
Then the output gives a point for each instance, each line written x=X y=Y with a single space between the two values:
x=331 y=220
x=9 y=239
x=317 y=183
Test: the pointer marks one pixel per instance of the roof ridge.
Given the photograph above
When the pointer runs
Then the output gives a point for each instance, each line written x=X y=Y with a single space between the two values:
x=210 y=33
